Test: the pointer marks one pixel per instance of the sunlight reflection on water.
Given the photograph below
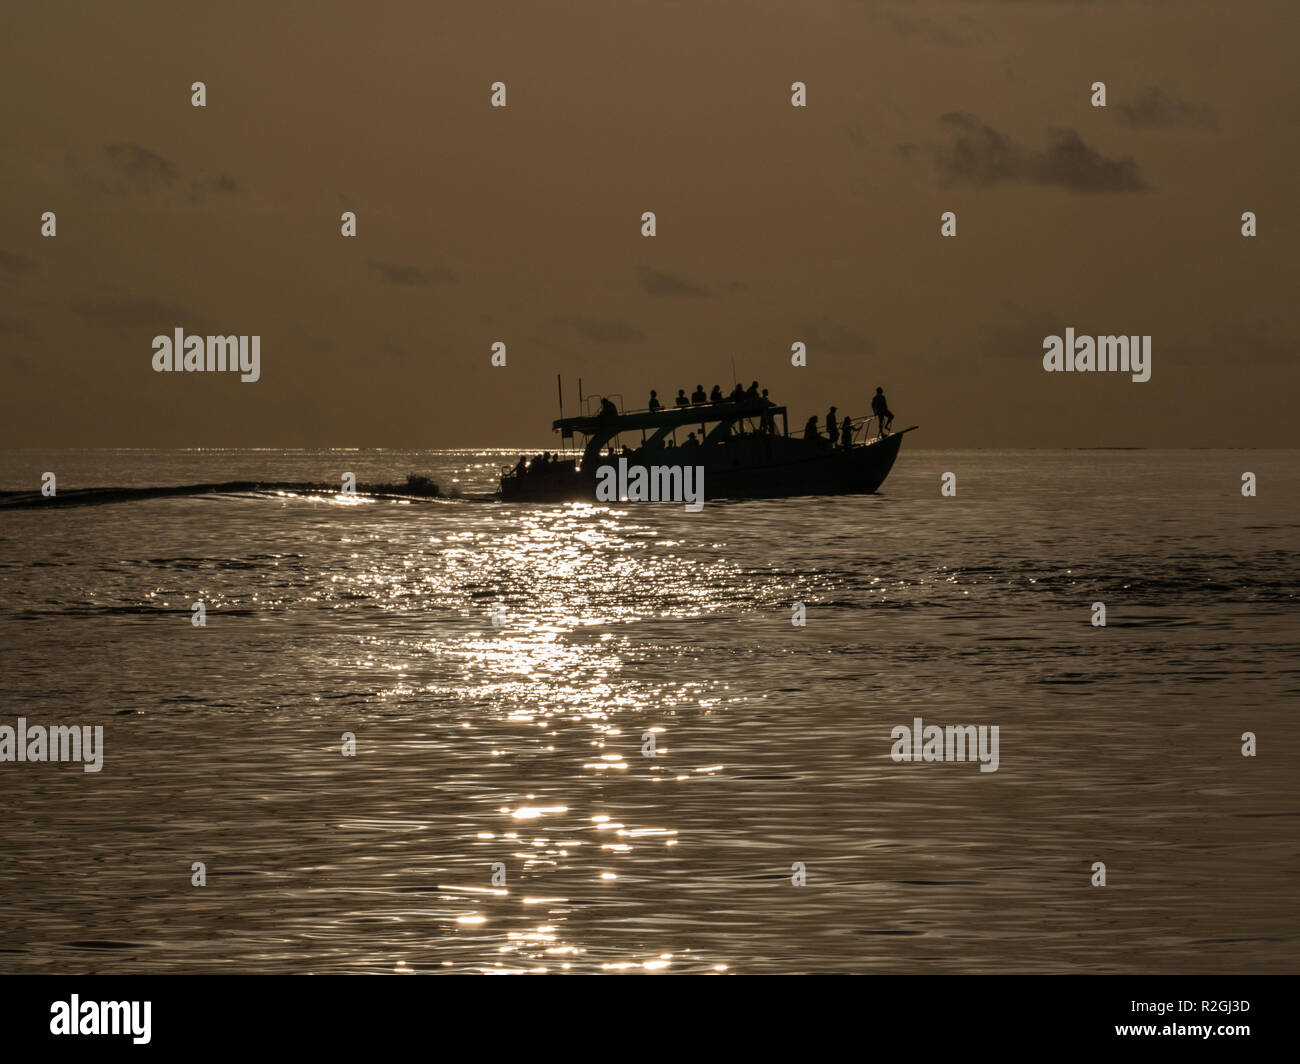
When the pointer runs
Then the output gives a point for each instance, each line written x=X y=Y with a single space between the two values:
x=520 y=744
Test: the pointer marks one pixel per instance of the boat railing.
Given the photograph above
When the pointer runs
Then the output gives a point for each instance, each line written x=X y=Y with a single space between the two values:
x=859 y=426
x=859 y=435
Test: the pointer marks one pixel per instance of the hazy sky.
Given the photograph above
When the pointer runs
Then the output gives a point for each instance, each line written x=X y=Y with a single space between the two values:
x=523 y=224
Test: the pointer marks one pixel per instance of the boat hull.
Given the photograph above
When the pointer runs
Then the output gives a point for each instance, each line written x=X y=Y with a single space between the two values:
x=751 y=467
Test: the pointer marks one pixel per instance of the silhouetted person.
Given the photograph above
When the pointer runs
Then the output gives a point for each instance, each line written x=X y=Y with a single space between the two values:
x=880 y=407
x=608 y=410
x=521 y=466
x=810 y=430
x=738 y=392
x=715 y=396
x=691 y=441
x=654 y=403
x=846 y=432
x=751 y=392
x=699 y=396
x=681 y=399
x=832 y=426
x=768 y=422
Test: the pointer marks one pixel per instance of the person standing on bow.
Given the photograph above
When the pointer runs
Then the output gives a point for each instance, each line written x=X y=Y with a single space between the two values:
x=880 y=407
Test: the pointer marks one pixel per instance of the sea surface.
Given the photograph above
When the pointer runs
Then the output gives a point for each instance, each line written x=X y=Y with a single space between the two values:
x=520 y=744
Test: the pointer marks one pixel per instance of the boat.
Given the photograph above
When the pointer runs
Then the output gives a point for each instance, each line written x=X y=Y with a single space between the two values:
x=737 y=442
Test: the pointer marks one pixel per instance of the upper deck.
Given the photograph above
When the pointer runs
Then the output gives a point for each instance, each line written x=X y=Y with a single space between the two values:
x=669 y=417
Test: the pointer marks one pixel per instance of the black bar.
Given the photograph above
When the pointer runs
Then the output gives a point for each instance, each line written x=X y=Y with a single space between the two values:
x=876 y=1013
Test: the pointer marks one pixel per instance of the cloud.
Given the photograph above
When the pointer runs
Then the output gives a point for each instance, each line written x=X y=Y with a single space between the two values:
x=152 y=316
x=16 y=364
x=977 y=154
x=1247 y=341
x=659 y=283
x=14 y=266
x=400 y=274
x=604 y=330
x=963 y=31
x=224 y=184
x=144 y=169
x=832 y=339
x=1156 y=109
x=854 y=132
x=127 y=168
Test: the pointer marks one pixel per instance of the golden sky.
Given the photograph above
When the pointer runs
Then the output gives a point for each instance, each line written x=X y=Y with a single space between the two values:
x=523 y=224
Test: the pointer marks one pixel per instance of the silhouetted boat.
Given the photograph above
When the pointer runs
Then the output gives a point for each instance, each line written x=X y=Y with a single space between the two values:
x=745 y=455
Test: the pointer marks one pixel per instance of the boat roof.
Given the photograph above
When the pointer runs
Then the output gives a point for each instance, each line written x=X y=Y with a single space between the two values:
x=666 y=417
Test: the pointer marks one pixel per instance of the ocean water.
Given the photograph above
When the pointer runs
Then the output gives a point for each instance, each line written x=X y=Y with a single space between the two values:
x=521 y=744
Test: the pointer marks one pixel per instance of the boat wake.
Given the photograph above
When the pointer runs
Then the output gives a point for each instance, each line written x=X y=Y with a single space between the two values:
x=402 y=493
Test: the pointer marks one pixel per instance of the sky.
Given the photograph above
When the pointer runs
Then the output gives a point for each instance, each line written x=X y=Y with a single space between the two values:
x=523 y=224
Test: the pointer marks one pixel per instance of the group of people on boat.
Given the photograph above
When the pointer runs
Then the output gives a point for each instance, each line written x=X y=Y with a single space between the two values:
x=739 y=394
x=840 y=433
x=836 y=433
x=540 y=464
x=752 y=394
